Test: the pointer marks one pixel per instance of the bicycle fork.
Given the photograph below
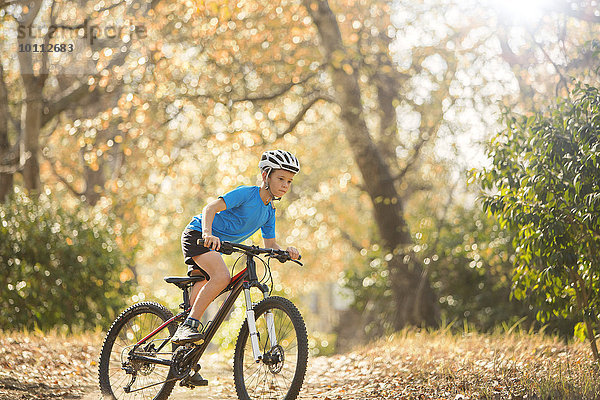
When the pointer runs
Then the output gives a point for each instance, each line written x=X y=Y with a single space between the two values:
x=258 y=356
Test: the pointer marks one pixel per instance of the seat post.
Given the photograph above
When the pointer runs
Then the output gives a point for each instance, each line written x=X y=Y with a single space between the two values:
x=184 y=283
x=186 y=297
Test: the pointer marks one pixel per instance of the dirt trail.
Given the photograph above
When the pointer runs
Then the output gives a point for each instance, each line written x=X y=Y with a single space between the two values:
x=322 y=382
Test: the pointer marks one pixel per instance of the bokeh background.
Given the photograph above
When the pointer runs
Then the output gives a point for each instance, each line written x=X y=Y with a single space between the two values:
x=109 y=148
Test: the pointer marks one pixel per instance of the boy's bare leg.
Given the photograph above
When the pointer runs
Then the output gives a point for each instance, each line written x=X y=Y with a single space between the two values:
x=196 y=287
x=203 y=293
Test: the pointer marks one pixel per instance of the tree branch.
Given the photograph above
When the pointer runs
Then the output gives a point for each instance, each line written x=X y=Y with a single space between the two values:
x=51 y=131
x=8 y=164
x=413 y=157
x=60 y=178
x=64 y=103
x=509 y=56
x=6 y=3
x=281 y=91
x=259 y=97
x=562 y=78
x=432 y=116
x=566 y=9
x=56 y=107
x=302 y=112
x=100 y=11
x=346 y=236
x=72 y=99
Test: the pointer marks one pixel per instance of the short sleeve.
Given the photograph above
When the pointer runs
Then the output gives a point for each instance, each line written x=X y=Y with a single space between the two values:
x=268 y=229
x=237 y=196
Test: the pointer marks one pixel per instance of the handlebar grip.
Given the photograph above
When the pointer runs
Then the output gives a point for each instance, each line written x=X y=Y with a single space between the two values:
x=285 y=255
x=226 y=248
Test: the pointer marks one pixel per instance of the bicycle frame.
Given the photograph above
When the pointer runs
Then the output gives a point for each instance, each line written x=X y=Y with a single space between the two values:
x=244 y=280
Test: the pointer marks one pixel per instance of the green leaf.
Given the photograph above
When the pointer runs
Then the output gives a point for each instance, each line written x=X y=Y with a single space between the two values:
x=580 y=331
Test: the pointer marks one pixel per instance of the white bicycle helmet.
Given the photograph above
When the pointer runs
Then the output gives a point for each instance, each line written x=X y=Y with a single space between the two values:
x=279 y=159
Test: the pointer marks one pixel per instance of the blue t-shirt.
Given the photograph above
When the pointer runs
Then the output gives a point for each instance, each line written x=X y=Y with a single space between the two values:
x=245 y=214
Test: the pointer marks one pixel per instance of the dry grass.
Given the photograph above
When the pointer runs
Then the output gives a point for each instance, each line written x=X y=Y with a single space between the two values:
x=441 y=365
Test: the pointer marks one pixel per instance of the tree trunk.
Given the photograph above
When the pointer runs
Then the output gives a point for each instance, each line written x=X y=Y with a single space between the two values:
x=6 y=184
x=32 y=108
x=412 y=294
x=31 y=122
x=6 y=178
x=388 y=123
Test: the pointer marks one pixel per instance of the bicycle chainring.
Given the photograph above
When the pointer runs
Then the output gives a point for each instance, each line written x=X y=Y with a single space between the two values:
x=180 y=369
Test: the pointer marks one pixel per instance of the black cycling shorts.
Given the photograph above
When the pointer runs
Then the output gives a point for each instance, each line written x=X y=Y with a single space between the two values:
x=191 y=248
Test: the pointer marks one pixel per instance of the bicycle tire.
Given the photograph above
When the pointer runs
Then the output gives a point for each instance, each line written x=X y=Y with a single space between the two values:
x=132 y=325
x=282 y=380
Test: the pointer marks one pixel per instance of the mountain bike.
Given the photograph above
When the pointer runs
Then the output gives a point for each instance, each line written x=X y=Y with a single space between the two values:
x=138 y=360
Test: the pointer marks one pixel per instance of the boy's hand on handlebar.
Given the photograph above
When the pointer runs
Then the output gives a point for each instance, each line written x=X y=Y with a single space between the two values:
x=293 y=252
x=212 y=242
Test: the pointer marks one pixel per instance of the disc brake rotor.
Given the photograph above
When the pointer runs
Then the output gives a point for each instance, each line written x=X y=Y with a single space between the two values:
x=277 y=359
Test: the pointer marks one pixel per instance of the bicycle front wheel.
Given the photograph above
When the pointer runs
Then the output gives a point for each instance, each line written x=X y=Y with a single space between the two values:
x=124 y=378
x=280 y=372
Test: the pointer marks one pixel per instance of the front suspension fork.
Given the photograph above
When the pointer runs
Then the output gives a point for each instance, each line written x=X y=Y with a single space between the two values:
x=258 y=356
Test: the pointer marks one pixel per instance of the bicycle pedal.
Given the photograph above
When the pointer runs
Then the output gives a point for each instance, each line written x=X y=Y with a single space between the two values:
x=193 y=381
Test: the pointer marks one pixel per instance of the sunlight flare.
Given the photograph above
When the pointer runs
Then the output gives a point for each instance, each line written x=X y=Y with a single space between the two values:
x=521 y=11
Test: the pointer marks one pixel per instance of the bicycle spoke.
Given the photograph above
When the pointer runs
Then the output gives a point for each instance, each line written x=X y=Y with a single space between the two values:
x=276 y=376
x=136 y=323
x=255 y=377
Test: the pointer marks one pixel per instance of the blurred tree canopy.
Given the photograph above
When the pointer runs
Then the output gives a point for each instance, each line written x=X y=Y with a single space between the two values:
x=385 y=104
x=59 y=269
x=546 y=169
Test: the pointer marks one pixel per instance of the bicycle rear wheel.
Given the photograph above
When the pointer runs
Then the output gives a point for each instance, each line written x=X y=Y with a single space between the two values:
x=116 y=371
x=279 y=375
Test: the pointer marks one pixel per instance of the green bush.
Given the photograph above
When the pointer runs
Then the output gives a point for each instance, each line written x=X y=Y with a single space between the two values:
x=57 y=268
x=544 y=186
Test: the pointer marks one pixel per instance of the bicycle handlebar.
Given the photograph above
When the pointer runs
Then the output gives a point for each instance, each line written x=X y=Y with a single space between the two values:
x=229 y=248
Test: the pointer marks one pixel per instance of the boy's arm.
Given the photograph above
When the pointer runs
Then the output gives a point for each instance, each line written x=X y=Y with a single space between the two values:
x=272 y=244
x=208 y=216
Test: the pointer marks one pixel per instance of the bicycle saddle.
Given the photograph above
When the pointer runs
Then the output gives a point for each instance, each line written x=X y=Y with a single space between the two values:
x=183 y=281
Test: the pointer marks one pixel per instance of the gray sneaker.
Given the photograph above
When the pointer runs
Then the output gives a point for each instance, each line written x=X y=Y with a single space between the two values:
x=186 y=334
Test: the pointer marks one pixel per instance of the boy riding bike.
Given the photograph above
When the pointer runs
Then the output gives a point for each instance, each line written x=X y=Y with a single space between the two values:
x=233 y=217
